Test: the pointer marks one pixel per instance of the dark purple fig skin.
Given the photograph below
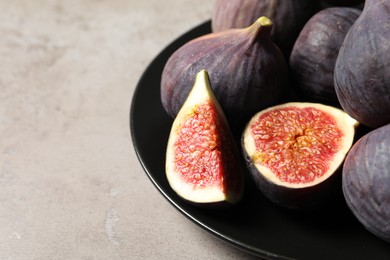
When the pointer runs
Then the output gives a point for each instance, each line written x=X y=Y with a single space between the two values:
x=366 y=181
x=315 y=51
x=344 y=2
x=247 y=72
x=296 y=199
x=289 y=17
x=362 y=71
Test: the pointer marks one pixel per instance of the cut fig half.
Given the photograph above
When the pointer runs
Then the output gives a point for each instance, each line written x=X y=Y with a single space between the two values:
x=202 y=159
x=293 y=149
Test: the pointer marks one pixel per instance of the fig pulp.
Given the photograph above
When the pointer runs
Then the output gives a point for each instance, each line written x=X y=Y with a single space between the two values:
x=362 y=74
x=314 y=54
x=366 y=181
x=247 y=71
x=289 y=17
x=293 y=149
x=202 y=160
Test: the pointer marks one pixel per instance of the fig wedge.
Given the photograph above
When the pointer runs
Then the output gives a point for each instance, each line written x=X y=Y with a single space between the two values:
x=202 y=159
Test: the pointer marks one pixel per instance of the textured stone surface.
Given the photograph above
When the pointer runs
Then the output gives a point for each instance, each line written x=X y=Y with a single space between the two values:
x=71 y=186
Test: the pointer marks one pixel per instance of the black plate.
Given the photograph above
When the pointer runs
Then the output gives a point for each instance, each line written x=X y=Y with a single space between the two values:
x=255 y=225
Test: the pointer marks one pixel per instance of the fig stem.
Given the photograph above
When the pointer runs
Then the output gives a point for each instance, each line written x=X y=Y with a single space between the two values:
x=264 y=21
x=261 y=28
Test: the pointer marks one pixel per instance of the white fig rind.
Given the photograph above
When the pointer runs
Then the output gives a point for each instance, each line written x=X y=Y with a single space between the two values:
x=212 y=193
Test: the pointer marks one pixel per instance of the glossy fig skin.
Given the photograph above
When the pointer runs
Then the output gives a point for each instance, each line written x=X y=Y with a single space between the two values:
x=366 y=181
x=315 y=51
x=289 y=17
x=247 y=72
x=362 y=75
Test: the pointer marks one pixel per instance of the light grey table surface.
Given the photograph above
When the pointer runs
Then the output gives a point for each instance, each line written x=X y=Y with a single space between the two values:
x=71 y=186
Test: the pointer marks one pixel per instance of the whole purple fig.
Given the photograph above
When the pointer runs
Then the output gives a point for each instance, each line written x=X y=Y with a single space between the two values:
x=288 y=16
x=247 y=71
x=314 y=54
x=366 y=181
x=362 y=72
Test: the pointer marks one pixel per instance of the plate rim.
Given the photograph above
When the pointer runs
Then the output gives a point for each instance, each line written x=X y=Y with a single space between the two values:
x=257 y=251
x=237 y=244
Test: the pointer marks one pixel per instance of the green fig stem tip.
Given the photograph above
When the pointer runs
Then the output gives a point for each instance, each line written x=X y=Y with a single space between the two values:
x=264 y=21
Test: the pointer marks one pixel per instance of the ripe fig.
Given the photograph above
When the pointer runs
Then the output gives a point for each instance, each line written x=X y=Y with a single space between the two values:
x=366 y=181
x=289 y=17
x=314 y=54
x=202 y=159
x=294 y=149
x=247 y=71
x=362 y=74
